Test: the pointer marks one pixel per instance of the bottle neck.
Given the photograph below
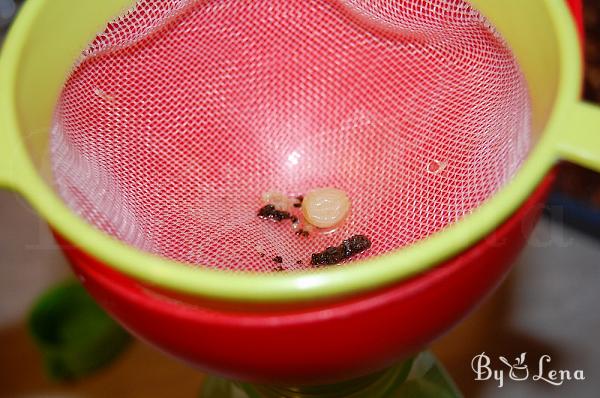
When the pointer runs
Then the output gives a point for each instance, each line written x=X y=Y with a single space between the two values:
x=370 y=386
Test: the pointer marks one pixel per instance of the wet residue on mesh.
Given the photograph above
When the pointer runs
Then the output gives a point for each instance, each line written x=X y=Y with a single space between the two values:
x=182 y=113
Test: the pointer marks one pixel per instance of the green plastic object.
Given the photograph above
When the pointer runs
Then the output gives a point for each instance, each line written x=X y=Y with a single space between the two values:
x=428 y=379
x=421 y=377
x=74 y=335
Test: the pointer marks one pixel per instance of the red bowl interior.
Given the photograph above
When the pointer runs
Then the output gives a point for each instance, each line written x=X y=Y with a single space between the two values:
x=185 y=129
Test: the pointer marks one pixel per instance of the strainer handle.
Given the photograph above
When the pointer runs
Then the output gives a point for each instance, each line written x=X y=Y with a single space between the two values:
x=14 y=162
x=8 y=162
x=579 y=143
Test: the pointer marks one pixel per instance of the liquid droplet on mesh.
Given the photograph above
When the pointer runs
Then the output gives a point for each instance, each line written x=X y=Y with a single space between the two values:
x=105 y=96
x=436 y=166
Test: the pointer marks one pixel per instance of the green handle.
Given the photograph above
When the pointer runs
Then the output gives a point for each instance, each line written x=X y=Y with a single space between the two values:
x=17 y=171
x=580 y=142
x=9 y=164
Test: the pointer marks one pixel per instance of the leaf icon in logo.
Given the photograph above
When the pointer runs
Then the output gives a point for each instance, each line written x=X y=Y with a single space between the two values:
x=519 y=370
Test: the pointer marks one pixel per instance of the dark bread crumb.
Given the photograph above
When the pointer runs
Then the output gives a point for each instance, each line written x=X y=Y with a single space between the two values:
x=302 y=232
x=271 y=213
x=336 y=254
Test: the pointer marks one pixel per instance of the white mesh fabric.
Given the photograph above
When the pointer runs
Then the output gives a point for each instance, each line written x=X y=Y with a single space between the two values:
x=182 y=113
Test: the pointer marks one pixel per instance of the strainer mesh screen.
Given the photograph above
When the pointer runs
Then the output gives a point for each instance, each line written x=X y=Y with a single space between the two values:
x=182 y=113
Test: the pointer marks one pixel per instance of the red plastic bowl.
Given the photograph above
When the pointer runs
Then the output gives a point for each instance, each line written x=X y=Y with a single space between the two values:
x=320 y=342
x=325 y=342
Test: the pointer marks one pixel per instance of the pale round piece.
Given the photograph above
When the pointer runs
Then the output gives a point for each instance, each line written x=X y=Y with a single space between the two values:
x=277 y=199
x=325 y=207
